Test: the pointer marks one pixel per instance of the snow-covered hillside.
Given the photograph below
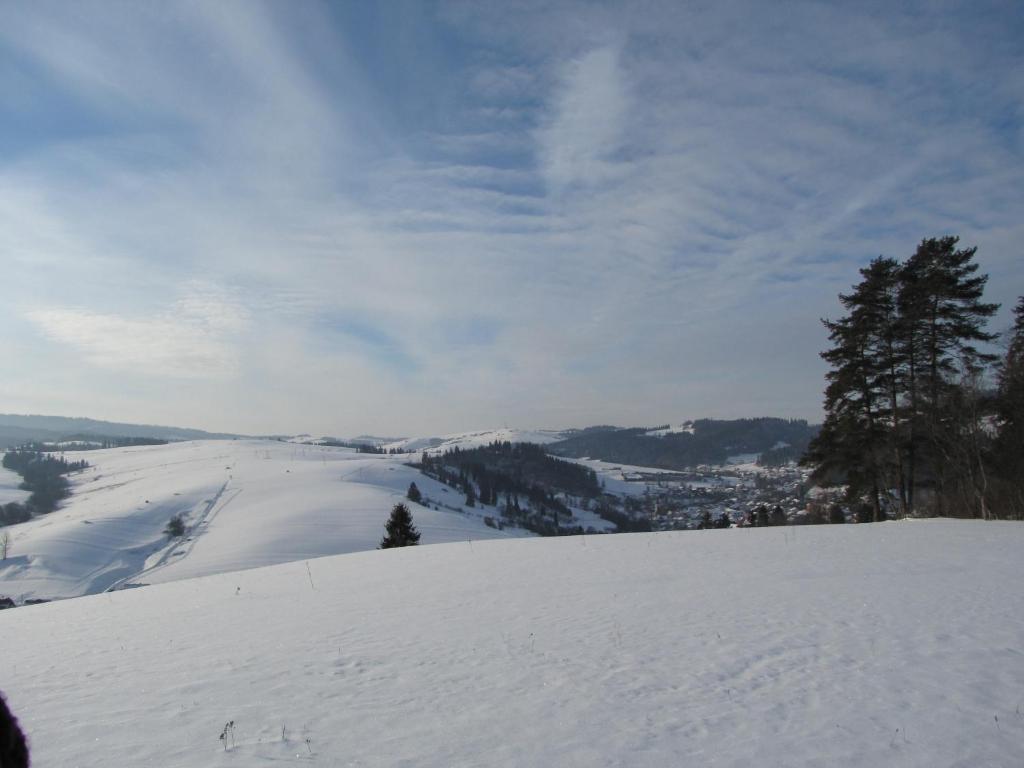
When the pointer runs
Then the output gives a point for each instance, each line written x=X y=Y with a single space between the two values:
x=897 y=644
x=467 y=440
x=247 y=503
x=686 y=426
x=10 y=490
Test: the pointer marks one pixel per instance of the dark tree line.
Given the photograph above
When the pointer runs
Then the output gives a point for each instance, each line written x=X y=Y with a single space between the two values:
x=630 y=521
x=90 y=443
x=44 y=477
x=362 y=447
x=520 y=479
x=712 y=441
x=762 y=517
x=911 y=425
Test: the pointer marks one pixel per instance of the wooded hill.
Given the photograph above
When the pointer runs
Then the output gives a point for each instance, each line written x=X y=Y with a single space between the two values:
x=712 y=441
x=18 y=429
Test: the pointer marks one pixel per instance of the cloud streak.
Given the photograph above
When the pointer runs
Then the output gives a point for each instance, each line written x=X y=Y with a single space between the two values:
x=587 y=214
x=191 y=341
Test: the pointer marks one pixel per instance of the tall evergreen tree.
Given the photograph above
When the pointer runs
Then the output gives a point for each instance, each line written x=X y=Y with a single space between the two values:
x=855 y=443
x=399 y=529
x=902 y=389
x=942 y=317
x=1009 y=443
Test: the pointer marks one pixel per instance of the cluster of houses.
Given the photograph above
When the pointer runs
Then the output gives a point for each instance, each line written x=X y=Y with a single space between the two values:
x=739 y=495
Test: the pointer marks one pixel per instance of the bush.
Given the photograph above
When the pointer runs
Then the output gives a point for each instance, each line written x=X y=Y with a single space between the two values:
x=175 y=527
x=13 y=513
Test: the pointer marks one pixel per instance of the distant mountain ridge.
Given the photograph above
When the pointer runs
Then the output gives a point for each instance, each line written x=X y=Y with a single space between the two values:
x=20 y=428
x=703 y=441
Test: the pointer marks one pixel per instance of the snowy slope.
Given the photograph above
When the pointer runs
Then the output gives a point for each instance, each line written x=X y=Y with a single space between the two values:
x=686 y=426
x=248 y=503
x=614 y=476
x=896 y=644
x=467 y=440
x=9 y=490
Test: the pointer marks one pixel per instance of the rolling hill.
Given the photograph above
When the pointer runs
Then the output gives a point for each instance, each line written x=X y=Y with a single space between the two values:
x=895 y=644
x=246 y=503
x=16 y=429
x=704 y=441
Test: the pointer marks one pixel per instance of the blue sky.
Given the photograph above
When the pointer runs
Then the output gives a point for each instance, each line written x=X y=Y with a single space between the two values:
x=425 y=217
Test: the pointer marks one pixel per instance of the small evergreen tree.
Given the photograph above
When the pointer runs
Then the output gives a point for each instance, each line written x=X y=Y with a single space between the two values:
x=175 y=527
x=400 y=531
x=413 y=494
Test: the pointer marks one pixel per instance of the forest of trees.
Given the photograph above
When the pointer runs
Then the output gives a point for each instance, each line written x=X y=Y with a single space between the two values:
x=519 y=478
x=89 y=443
x=44 y=477
x=922 y=417
x=362 y=447
x=712 y=441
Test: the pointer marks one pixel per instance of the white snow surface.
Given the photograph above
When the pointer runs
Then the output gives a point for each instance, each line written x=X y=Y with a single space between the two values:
x=743 y=459
x=686 y=426
x=247 y=503
x=895 y=644
x=468 y=440
x=614 y=476
x=9 y=490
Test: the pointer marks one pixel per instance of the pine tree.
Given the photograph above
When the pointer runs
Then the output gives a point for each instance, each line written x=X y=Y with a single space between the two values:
x=175 y=527
x=902 y=389
x=941 y=318
x=400 y=531
x=413 y=494
x=855 y=442
x=1009 y=443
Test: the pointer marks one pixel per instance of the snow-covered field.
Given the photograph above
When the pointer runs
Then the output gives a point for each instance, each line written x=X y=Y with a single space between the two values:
x=897 y=644
x=9 y=490
x=614 y=476
x=686 y=426
x=248 y=503
x=469 y=440
x=743 y=459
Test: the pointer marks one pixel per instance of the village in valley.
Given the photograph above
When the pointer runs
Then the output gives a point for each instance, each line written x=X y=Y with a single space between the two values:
x=721 y=496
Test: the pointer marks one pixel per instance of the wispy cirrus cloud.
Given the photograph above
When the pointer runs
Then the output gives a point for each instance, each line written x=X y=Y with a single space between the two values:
x=191 y=340
x=581 y=138
x=533 y=213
